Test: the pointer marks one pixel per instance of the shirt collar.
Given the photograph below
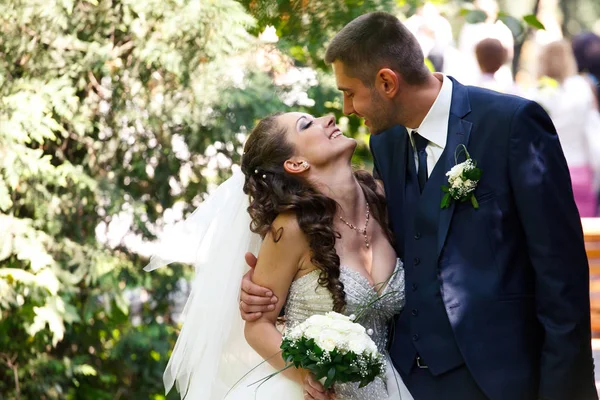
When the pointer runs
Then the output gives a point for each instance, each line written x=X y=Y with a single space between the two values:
x=435 y=124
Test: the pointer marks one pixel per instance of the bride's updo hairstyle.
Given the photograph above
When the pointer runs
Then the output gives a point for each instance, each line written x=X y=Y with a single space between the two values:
x=273 y=191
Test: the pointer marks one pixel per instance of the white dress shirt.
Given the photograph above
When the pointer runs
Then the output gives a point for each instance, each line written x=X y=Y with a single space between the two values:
x=434 y=127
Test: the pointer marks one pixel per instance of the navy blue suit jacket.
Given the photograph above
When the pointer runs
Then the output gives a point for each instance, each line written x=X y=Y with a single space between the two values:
x=513 y=274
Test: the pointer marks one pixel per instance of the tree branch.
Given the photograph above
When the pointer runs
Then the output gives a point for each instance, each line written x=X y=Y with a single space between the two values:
x=14 y=366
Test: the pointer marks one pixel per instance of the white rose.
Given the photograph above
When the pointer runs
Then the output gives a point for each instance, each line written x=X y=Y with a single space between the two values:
x=358 y=346
x=457 y=182
x=312 y=332
x=328 y=339
x=293 y=334
x=341 y=326
x=455 y=172
x=296 y=332
x=357 y=328
x=326 y=343
x=318 y=320
x=337 y=316
x=371 y=348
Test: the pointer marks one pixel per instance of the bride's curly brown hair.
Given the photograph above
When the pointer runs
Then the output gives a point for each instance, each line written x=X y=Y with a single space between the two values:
x=273 y=191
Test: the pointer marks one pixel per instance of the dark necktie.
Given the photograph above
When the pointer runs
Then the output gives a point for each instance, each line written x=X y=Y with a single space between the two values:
x=421 y=144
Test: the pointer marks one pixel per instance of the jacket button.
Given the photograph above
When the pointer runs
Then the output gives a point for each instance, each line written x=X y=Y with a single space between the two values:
x=415 y=312
x=417 y=261
x=418 y=235
x=415 y=338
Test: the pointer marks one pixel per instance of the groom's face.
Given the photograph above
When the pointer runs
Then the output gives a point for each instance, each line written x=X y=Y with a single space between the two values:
x=363 y=101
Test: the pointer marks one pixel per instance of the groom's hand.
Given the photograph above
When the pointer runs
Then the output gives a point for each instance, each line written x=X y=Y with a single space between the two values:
x=254 y=299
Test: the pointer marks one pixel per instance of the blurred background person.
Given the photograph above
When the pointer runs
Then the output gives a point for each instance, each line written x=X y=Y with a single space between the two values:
x=586 y=47
x=433 y=32
x=570 y=101
x=491 y=55
x=467 y=70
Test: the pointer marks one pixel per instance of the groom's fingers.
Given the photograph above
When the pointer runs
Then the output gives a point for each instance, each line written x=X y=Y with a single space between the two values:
x=251 y=317
x=258 y=301
x=250 y=259
x=315 y=394
x=251 y=289
x=315 y=389
x=247 y=308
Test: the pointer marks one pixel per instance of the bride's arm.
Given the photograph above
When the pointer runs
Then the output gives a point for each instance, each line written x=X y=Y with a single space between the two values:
x=280 y=258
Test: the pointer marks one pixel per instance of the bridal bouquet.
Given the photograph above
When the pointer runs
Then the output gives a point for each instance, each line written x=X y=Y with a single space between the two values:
x=334 y=349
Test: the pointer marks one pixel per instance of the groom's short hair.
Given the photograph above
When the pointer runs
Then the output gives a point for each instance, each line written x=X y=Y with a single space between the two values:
x=374 y=41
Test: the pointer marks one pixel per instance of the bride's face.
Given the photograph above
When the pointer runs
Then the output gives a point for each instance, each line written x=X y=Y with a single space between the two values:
x=317 y=141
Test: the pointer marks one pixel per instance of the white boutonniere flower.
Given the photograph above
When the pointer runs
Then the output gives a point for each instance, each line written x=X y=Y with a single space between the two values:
x=462 y=180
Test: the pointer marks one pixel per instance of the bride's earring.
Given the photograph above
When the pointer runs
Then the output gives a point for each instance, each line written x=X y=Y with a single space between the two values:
x=305 y=165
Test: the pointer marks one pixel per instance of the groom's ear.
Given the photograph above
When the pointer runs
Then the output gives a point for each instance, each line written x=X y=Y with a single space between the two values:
x=388 y=82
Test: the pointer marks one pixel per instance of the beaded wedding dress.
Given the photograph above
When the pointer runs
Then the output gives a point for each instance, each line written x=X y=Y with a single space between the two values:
x=211 y=359
x=306 y=297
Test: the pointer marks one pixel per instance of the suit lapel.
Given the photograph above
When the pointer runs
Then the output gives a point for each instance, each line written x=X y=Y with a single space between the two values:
x=389 y=149
x=400 y=153
x=459 y=130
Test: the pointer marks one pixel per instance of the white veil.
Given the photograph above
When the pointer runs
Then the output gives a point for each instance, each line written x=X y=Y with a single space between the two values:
x=211 y=353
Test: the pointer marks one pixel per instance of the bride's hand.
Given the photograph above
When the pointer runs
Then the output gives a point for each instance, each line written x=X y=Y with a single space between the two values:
x=314 y=390
x=254 y=299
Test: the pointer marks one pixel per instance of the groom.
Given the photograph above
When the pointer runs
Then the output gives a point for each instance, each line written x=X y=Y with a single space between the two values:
x=497 y=291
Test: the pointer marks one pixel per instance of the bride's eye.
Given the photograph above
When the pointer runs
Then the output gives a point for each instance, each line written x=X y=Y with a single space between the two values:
x=307 y=125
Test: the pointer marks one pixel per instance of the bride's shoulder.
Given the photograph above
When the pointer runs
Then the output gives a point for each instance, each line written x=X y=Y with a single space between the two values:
x=286 y=230
x=285 y=242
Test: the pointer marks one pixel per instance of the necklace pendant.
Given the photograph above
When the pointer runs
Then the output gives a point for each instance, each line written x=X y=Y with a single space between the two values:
x=358 y=230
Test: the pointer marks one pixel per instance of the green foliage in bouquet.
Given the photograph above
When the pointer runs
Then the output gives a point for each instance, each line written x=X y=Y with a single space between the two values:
x=334 y=366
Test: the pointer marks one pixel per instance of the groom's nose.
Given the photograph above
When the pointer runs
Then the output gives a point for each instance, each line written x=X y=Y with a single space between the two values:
x=348 y=107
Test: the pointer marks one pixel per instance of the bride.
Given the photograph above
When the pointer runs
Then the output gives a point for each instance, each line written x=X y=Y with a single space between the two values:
x=324 y=245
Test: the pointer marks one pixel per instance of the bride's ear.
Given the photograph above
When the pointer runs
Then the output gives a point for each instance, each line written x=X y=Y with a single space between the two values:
x=296 y=166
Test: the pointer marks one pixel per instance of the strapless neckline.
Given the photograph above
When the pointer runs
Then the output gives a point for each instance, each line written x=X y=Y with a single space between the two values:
x=357 y=276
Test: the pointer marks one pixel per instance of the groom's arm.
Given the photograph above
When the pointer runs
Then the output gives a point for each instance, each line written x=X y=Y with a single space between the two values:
x=542 y=190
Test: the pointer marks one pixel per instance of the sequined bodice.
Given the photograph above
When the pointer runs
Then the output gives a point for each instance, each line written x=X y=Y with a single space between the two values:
x=306 y=297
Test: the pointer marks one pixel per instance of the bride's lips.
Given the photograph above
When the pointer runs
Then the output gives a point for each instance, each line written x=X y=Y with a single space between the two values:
x=336 y=130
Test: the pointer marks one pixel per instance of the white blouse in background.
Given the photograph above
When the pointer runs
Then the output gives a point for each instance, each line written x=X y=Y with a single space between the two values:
x=572 y=109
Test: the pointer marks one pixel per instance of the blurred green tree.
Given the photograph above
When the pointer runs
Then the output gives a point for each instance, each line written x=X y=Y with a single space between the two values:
x=111 y=113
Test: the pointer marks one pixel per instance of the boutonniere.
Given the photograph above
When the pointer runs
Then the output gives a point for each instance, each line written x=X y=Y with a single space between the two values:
x=462 y=180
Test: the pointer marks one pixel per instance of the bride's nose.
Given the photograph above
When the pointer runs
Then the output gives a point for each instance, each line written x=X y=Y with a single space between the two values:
x=329 y=121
